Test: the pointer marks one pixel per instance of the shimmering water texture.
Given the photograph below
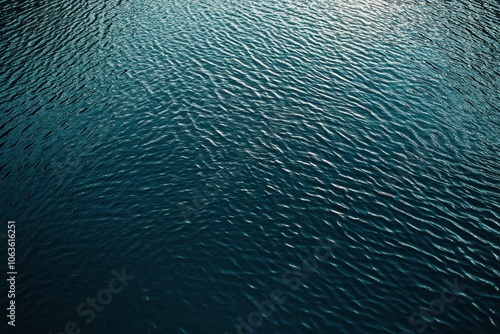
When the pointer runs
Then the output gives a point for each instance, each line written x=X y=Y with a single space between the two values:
x=257 y=166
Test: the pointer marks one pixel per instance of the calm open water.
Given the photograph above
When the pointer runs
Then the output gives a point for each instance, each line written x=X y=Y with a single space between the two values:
x=251 y=166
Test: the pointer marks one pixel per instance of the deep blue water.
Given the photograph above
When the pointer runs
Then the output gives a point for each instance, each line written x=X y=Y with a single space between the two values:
x=208 y=148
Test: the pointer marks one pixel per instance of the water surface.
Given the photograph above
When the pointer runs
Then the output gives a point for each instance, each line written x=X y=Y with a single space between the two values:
x=209 y=147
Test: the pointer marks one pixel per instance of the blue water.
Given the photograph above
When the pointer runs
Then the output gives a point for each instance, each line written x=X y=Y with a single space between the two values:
x=252 y=166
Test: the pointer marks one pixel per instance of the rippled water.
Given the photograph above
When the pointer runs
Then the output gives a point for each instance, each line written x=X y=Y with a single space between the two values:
x=208 y=147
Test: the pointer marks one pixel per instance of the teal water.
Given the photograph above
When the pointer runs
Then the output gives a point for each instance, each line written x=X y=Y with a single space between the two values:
x=255 y=166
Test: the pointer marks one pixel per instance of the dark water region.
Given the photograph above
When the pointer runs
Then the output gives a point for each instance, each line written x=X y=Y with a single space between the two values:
x=256 y=166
